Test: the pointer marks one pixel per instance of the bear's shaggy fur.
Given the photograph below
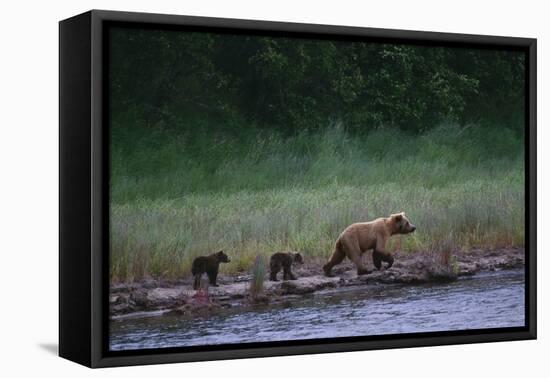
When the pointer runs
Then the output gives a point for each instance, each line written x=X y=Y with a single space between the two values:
x=284 y=260
x=210 y=265
x=361 y=237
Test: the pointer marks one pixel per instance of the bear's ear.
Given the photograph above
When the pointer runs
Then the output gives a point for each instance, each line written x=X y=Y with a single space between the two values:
x=220 y=252
x=398 y=217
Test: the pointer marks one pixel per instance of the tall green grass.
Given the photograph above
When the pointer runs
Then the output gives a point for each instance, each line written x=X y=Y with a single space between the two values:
x=177 y=195
x=256 y=286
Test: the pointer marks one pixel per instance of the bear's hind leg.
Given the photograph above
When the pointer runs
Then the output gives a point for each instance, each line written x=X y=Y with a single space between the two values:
x=337 y=257
x=354 y=254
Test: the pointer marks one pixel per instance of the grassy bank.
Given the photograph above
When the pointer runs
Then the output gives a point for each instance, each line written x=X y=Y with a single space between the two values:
x=177 y=195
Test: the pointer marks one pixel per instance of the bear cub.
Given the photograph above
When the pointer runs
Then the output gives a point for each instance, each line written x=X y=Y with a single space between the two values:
x=210 y=265
x=284 y=260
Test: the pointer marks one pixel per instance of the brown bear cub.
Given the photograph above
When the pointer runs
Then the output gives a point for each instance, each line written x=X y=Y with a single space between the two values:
x=210 y=265
x=361 y=237
x=284 y=260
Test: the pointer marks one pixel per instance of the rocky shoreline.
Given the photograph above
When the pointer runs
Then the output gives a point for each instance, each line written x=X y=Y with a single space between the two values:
x=153 y=297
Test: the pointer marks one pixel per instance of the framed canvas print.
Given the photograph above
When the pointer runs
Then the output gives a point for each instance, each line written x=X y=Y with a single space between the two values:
x=234 y=188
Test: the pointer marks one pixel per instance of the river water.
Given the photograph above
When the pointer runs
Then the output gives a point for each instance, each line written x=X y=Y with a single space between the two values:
x=490 y=300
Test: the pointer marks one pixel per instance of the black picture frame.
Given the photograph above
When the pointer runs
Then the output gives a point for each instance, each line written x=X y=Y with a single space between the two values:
x=83 y=195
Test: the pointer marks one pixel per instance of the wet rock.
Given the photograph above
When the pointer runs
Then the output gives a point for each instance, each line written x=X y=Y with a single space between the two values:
x=466 y=269
x=408 y=278
x=238 y=288
x=441 y=275
x=515 y=262
x=121 y=308
x=307 y=285
x=420 y=265
x=259 y=299
x=389 y=278
x=439 y=271
x=163 y=297
x=120 y=304
x=195 y=309
x=124 y=288
x=138 y=299
x=181 y=310
x=289 y=288
x=167 y=284
x=149 y=284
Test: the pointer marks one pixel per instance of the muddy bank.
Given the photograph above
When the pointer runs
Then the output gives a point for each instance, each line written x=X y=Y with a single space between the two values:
x=163 y=296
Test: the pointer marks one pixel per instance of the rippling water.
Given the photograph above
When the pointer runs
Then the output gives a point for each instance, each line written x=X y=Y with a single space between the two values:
x=485 y=301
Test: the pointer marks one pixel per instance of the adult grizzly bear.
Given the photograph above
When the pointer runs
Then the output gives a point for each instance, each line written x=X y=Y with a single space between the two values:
x=284 y=260
x=210 y=265
x=361 y=237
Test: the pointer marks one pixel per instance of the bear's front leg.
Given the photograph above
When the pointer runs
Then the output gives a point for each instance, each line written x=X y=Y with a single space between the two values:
x=377 y=259
x=287 y=271
x=274 y=268
x=212 y=277
x=388 y=259
x=379 y=256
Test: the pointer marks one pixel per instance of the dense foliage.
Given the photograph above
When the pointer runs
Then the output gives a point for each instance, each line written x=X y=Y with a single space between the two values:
x=161 y=77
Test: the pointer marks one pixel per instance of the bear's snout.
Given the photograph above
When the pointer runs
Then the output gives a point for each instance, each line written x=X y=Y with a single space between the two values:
x=413 y=227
